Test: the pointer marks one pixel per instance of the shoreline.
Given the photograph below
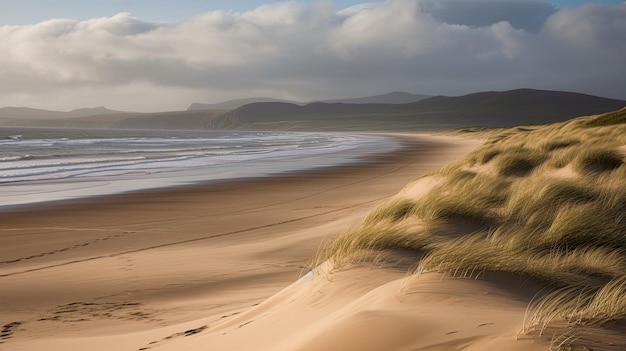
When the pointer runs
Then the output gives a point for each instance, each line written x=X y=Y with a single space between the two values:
x=89 y=189
x=407 y=146
x=133 y=267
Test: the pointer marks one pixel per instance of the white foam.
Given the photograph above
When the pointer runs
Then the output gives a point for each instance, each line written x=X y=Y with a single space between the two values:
x=36 y=180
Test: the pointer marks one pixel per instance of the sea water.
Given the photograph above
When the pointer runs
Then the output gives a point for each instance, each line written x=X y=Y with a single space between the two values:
x=40 y=164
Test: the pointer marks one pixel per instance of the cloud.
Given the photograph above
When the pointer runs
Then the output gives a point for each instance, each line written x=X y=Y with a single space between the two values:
x=310 y=50
x=521 y=14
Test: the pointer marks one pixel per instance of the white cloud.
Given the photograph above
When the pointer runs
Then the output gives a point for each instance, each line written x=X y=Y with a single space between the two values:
x=309 y=51
x=590 y=25
x=391 y=29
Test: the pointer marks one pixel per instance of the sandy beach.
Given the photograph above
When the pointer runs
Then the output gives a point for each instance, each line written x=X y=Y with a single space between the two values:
x=447 y=243
x=174 y=268
x=304 y=175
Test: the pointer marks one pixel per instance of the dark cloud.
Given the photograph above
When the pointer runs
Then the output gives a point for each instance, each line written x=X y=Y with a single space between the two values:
x=529 y=15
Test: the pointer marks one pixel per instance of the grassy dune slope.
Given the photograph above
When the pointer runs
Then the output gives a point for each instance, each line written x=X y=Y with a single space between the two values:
x=547 y=203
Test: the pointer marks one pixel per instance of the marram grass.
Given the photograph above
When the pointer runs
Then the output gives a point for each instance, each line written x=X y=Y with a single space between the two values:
x=556 y=144
x=598 y=160
x=547 y=203
x=518 y=161
x=609 y=119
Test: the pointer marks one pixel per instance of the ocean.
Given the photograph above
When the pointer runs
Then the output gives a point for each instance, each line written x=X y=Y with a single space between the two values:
x=42 y=164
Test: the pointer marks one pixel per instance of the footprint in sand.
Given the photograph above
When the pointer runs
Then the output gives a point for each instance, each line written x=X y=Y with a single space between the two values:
x=186 y=333
x=73 y=247
x=86 y=311
x=127 y=263
x=8 y=330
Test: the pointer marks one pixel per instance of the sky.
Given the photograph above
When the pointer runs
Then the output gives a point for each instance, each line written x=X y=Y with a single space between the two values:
x=156 y=55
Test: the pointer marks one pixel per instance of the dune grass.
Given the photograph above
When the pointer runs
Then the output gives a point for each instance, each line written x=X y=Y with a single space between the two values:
x=533 y=200
x=465 y=196
x=599 y=160
x=391 y=212
x=357 y=243
x=560 y=143
x=518 y=161
x=505 y=208
x=609 y=119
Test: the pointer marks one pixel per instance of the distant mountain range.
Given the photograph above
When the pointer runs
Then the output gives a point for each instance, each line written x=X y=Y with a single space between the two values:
x=233 y=104
x=33 y=113
x=486 y=109
x=396 y=97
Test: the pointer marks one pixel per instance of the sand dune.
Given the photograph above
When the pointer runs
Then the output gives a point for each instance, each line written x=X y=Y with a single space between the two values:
x=175 y=269
x=373 y=308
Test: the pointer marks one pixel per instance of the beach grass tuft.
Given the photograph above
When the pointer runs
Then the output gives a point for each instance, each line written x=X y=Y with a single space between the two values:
x=393 y=211
x=609 y=119
x=598 y=160
x=518 y=161
x=561 y=143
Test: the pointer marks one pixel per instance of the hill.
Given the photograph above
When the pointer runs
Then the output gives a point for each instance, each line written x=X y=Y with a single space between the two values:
x=21 y=113
x=396 y=97
x=175 y=120
x=486 y=109
x=233 y=104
